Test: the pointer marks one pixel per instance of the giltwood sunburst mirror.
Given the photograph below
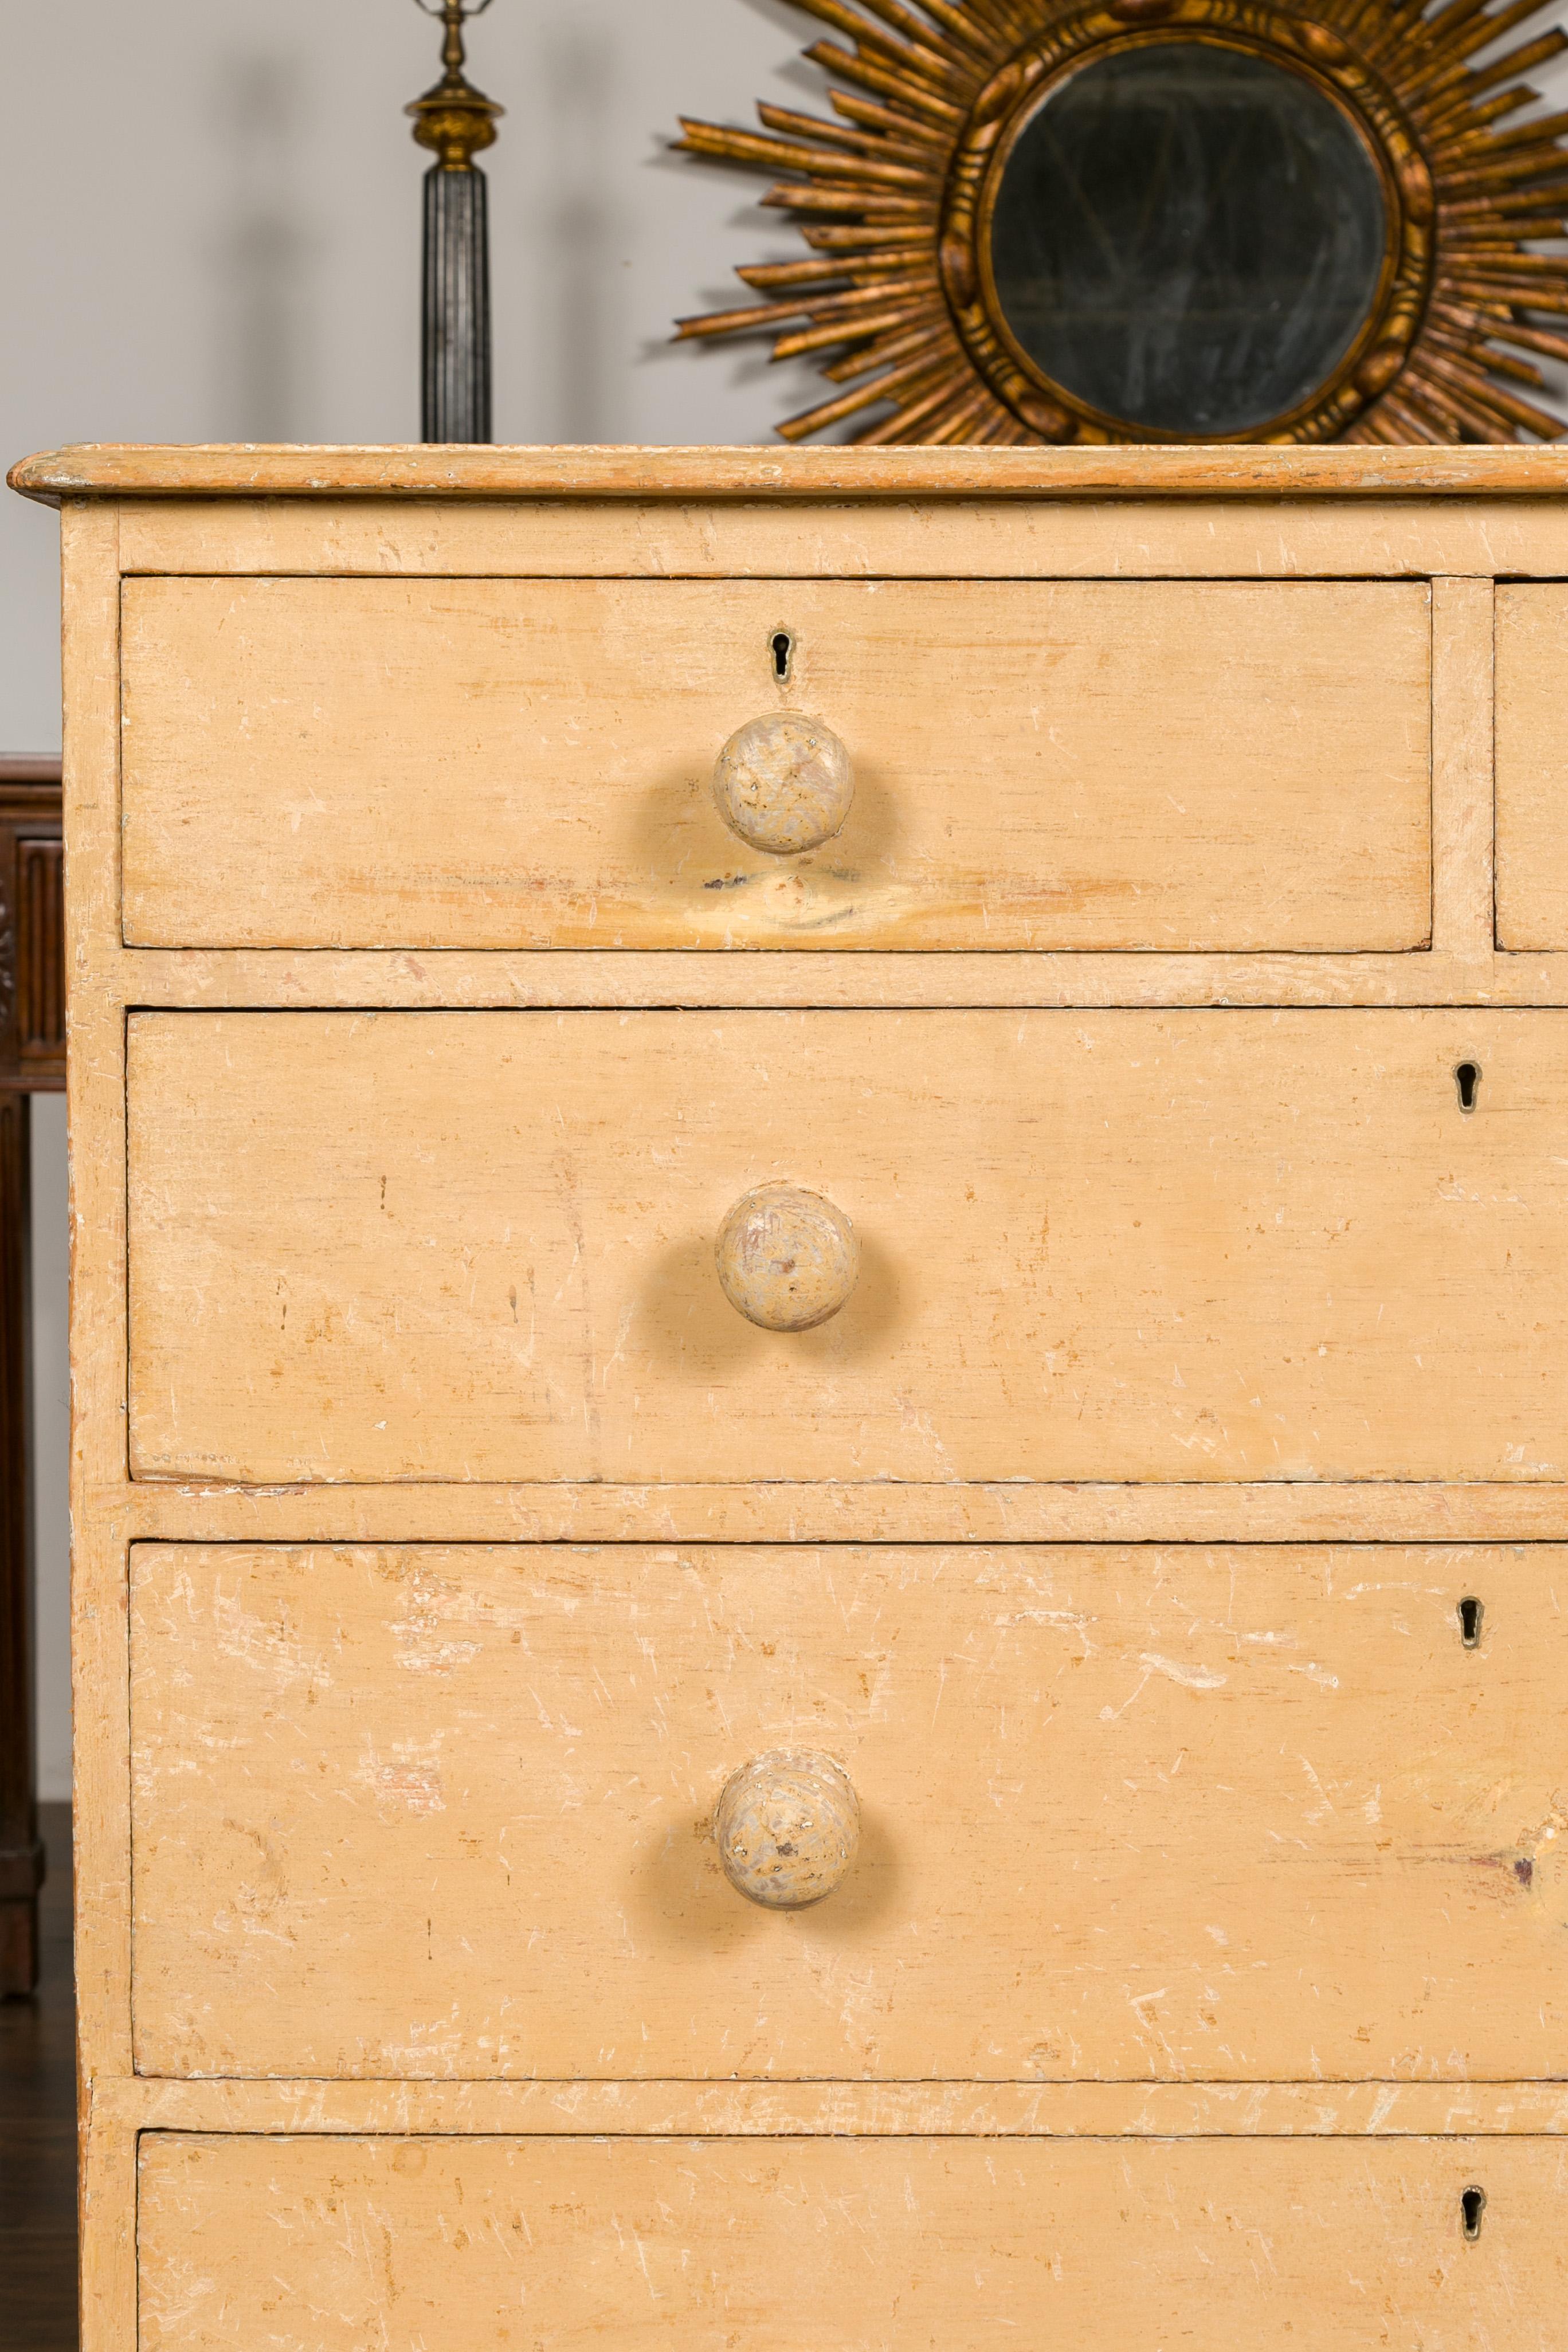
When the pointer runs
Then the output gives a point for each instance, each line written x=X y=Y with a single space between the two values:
x=1166 y=220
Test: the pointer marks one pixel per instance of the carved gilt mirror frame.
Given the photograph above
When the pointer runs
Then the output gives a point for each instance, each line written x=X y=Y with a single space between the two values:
x=1165 y=220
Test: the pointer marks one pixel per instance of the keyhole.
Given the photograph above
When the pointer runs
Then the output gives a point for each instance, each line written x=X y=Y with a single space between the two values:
x=1473 y=2204
x=1467 y=1078
x=1469 y=1621
x=782 y=647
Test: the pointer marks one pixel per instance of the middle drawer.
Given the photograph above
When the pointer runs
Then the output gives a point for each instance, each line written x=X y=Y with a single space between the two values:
x=1237 y=1814
x=1127 y=1246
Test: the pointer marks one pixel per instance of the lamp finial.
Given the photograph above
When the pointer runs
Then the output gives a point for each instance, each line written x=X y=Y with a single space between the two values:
x=453 y=117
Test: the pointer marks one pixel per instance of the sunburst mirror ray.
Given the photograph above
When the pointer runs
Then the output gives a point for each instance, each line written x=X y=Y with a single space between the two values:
x=1030 y=221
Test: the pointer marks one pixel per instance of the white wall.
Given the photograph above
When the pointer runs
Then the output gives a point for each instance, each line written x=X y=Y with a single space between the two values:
x=215 y=237
x=214 y=227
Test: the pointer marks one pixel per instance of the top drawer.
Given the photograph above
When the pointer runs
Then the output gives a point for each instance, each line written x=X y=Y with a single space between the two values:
x=516 y=763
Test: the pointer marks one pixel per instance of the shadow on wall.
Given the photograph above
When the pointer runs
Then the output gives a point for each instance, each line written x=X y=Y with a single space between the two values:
x=795 y=386
x=263 y=257
x=583 y=295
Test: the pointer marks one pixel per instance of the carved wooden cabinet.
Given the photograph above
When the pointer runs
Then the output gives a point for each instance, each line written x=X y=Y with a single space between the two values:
x=820 y=1335
x=32 y=1061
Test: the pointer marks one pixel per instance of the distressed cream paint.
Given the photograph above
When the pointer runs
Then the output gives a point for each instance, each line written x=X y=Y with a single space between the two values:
x=1125 y=1812
x=1108 y=764
x=1162 y=1541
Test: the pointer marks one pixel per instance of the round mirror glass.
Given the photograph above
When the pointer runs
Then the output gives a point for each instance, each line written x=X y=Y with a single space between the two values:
x=1188 y=236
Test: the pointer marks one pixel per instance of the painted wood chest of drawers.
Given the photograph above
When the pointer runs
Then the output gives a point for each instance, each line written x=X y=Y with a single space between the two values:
x=1110 y=1550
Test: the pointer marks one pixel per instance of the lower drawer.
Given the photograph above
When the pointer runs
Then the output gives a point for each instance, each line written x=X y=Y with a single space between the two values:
x=1243 y=1814
x=448 y=2244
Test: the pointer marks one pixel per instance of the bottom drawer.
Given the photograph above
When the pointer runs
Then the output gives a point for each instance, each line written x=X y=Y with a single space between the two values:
x=453 y=2245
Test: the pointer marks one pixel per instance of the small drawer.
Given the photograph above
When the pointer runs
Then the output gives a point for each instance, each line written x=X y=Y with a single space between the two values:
x=1131 y=1246
x=1072 y=1813
x=1532 y=727
x=514 y=763
x=442 y=2244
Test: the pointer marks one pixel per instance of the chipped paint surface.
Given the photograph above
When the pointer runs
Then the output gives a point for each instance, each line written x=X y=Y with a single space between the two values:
x=787 y=1826
x=1206 y=1898
x=1167 y=765
x=788 y=1259
x=697 y=475
x=1055 y=1212
x=783 y=784
x=455 y=1819
x=437 y=2245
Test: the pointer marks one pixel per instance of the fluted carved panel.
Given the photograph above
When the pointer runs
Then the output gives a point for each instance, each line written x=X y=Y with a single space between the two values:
x=32 y=927
x=32 y=1059
x=40 y=961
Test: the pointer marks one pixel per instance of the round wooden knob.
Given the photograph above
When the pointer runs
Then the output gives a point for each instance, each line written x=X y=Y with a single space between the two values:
x=787 y=1827
x=783 y=784
x=787 y=1258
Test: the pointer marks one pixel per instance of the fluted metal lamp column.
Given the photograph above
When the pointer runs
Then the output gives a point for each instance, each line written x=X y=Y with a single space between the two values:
x=456 y=121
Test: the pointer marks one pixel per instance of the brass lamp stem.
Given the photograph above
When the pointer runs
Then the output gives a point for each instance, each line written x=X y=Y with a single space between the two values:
x=456 y=121
x=452 y=55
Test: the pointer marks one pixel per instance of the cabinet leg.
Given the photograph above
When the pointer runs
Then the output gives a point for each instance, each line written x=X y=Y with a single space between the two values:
x=21 y=1854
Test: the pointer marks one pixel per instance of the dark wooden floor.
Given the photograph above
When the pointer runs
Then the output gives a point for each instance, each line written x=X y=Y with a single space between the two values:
x=37 y=2131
